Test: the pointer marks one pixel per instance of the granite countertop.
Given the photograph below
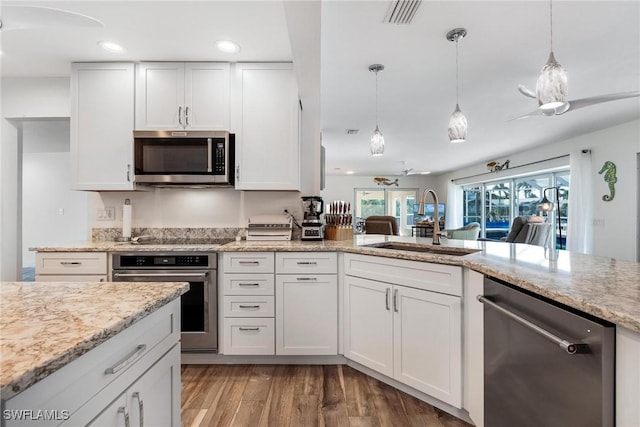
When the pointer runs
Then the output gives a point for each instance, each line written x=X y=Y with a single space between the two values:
x=46 y=325
x=604 y=287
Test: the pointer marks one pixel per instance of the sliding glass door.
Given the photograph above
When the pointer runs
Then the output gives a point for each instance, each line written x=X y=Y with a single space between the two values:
x=397 y=202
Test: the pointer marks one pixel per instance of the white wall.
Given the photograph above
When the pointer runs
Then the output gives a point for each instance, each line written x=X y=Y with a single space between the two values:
x=51 y=213
x=341 y=187
x=217 y=208
x=618 y=233
x=22 y=98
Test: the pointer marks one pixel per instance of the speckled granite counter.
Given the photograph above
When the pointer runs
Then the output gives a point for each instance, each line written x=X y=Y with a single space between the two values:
x=604 y=287
x=45 y=325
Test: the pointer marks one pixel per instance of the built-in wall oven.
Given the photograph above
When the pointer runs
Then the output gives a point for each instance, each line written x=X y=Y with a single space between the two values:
x=198 y=306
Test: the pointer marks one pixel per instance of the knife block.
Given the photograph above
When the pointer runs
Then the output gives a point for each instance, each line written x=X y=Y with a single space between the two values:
x=332 y=232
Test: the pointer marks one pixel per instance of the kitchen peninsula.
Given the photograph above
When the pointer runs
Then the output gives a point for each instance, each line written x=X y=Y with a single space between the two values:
x=606 y=288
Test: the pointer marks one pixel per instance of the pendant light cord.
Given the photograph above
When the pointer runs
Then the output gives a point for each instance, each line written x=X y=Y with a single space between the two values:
x=551 y=24
x=376 y=99
x=457 y=68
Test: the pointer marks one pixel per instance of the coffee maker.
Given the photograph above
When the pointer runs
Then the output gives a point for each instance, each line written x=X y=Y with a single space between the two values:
x=313 y=207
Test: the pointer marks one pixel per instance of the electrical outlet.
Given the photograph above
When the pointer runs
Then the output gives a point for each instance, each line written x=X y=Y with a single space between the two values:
x=106 y=214
x=598 y=222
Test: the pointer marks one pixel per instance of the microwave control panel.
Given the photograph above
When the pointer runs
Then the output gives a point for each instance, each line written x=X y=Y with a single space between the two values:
x=219 y=158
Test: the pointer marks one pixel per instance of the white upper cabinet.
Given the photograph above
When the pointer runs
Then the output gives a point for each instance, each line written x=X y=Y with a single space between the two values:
x=102 y=116
x=265 y=120
x=183 y=96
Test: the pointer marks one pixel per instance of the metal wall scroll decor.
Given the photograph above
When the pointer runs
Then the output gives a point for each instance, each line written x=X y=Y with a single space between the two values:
x=609 y=170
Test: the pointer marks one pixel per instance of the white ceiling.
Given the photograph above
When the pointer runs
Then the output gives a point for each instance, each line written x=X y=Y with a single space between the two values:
x=598 y=42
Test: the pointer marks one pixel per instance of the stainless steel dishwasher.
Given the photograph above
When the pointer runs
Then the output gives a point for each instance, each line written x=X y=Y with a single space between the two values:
x=544 y=364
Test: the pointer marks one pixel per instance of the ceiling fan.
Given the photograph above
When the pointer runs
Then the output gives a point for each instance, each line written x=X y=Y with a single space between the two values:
x=406 y=170
x=551 y=88
x=571 y=105
x=23 y=17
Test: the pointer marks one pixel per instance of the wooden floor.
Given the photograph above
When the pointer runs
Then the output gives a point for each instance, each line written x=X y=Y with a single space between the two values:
x=298 y=396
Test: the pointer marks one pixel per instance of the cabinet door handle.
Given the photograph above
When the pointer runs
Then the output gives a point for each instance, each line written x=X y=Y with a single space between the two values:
x=307 y=263
x=180 y=115
x=249 y=329
x=128 y=172
x=249 y=306
x=123 y=410
x=386 y=298
x=237 y=171
x=127 y=359
x=249 y=262
x=136 y=395
x=70 y=263
x=395 y=300
x=248 y=284
x=186 y=116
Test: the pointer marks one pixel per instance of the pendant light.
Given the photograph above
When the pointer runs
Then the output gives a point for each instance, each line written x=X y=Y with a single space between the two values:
x=377 y=139
x=458 y=122
x=551 y=87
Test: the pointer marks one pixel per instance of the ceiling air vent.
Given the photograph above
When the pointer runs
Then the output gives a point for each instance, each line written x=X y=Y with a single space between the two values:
x=401 y=12
x=352 y=131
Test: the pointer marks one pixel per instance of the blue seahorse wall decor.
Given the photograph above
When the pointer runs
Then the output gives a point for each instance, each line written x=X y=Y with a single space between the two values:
x=609 y=170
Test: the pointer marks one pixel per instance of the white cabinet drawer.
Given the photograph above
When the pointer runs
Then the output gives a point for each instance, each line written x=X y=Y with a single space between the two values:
x=306 y=262
x=71 y=263
x=71 y=278
x=248 y=284
x=249 y=336
x=248 y=262
x=249 y=306
x=446 y=279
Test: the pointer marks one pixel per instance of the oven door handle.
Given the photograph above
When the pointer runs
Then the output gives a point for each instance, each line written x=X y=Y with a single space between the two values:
x=156 y=275
x=569 y=347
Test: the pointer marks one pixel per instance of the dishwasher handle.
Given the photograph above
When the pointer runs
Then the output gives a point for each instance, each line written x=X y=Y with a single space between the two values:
x=569 y=347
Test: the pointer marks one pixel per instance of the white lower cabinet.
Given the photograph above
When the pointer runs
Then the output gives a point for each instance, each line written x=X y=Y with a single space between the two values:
x=71 y=267
x=245 y=336
x=627 y=377
x=134 y=373
x=148 y=400
x=307 y=314
x=411 y=335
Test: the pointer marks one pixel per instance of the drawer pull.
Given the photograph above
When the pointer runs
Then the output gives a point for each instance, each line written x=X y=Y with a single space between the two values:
x=249 y=306
x=306 y=278
x=249 y=262
x=136 y=395
x=248 y=284
x=70 y=263
x=127 y=359
x=307 y=263
x=249 y=329
x=123 y=410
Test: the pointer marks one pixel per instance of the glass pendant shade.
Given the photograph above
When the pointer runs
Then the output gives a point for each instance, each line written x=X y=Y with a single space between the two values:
x=377 y=143
x=545 y=205
x=551 y=87
x=457 y=126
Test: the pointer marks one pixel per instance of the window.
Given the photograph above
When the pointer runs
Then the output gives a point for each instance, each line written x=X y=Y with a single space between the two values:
x=495 y=204
x=397 y=202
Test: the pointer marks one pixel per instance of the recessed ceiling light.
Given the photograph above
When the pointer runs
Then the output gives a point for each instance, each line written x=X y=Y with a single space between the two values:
x=425 y=173
x=350 y=172
x=111 y=46
x=228 y=46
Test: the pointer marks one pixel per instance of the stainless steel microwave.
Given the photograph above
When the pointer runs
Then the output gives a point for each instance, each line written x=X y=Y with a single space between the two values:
x=185 y=158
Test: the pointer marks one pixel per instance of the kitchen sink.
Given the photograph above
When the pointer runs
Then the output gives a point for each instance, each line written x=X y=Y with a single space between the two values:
x=399 y=246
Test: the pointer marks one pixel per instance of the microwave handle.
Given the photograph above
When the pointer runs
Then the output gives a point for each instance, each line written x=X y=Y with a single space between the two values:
x=209 y=153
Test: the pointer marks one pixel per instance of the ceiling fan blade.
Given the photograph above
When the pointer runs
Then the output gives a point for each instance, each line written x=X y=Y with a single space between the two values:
x=526 y=92
x=25 y=17
x=585 y=102
x=537 y=112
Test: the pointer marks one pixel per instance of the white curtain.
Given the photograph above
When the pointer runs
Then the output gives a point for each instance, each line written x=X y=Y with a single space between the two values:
x=580 y=221
x=453 y=215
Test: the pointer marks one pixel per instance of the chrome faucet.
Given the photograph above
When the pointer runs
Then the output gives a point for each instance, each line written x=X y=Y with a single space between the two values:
x=436 y=218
